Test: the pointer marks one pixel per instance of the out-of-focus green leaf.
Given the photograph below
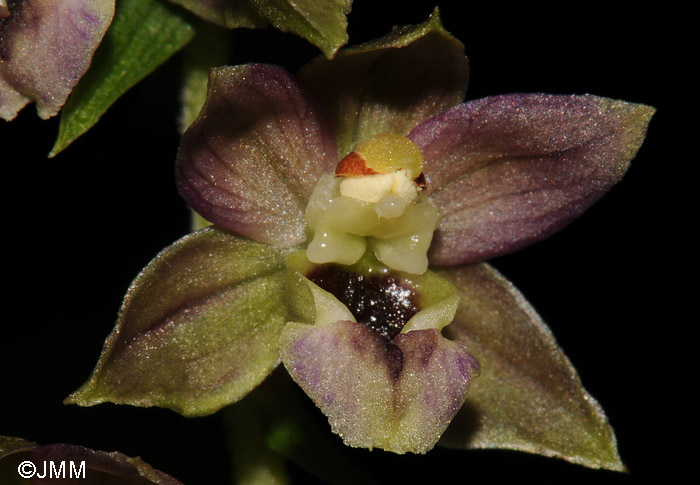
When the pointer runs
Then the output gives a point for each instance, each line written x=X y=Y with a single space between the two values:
x=253 y=461
x=227 y=13
x=209 y=48
x=290 y=429
x=528 y=397
x=390 y=84
x=198 y=329
x=143 y=35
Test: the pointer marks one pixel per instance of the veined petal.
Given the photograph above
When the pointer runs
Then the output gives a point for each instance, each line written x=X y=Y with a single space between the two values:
x=529 y=396
x=391 y=84
x=396 y=396
x=45 y=48
x=378 y=387
x=87 y=466
x=507 y=171
x=252 y=158
x=198 y=328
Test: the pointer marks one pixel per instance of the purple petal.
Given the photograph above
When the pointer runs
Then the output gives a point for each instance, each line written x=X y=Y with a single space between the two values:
x=396 y=396
x=252 y=158
x=507 y=171
x=45 y=48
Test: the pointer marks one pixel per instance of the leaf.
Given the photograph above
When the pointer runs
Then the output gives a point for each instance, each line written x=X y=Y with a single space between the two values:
x=143 y=35
x=507 y=171
x=70 y=461
x=528 y=397
x=390 y=84
x=198 y=328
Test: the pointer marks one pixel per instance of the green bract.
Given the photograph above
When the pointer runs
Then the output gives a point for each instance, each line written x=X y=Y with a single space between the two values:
x=321 y=22
x=176 y=345
x=387 y=355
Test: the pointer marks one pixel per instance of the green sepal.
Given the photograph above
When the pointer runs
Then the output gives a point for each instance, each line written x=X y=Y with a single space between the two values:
x=529 y=397
x=143 y=35
x=198 y=328
x=390 y=84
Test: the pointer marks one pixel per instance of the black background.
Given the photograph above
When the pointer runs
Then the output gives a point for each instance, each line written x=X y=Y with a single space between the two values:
x=80 y=226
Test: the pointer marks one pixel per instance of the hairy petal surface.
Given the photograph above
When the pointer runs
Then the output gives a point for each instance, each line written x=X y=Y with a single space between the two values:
x=45 y=48
x=396 y=396
x=507 y=171
x=252 y=158
x=391 y=84
x=529 y=396
x=198 y=328
x=391 y=390
x=100 y=467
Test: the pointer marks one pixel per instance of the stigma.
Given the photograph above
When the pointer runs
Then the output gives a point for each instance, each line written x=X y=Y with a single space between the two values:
x=374 y=202
x=385 y=168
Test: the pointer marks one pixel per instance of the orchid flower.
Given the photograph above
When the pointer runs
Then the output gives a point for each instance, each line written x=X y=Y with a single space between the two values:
x=45 y=48
x=212 y=315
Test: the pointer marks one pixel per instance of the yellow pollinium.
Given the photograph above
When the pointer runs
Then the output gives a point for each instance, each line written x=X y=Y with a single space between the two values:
x=387 y=153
